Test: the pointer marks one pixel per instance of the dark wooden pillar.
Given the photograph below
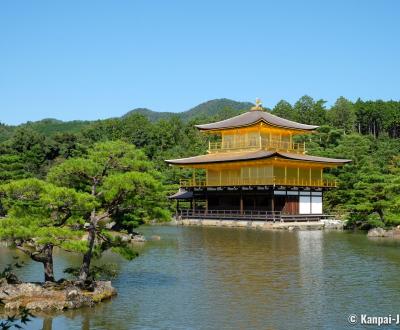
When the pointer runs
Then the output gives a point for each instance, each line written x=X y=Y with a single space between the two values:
x=286 y=205
x=241 y=202
x=273 y=202
x=273 y=205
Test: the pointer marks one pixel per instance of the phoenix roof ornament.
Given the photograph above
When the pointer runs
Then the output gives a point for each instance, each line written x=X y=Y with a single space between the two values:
x=258 y=106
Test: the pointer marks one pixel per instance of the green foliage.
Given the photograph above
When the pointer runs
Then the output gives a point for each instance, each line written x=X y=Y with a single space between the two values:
x=29 y=153
x=70 y=156
x=125 y=251
x=12 y=167
x=76 y=173
x=104 y=271
x=34 y=198
x=5 y=132
x=52 y=127
x=369 y=186
x=126 y=184
x=149 y=114
x=285 y=110
x=115 y=243
x=310 y=112
x=41 y=215
x=342 y=115
x=377 y=117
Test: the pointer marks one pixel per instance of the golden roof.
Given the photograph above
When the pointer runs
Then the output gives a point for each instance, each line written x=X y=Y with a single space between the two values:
x=252 y=155
x=254 y=116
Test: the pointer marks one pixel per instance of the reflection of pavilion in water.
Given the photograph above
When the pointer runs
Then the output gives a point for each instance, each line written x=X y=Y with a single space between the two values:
x=310 y=245
x=258 y=269
x=311 y=266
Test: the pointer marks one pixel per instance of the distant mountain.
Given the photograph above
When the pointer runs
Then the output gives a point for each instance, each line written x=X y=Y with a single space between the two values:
x=215 y=109
x=206 y=109
x=150 y=114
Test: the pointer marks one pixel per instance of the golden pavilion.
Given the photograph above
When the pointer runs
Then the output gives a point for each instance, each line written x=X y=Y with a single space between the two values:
x=255 y=168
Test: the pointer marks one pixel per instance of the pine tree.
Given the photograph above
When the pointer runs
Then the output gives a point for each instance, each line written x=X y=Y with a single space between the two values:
x=41 y=216
x=120 y=178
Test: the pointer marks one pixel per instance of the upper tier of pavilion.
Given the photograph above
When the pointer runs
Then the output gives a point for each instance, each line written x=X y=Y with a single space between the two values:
x=256 y=115
x=254 y=135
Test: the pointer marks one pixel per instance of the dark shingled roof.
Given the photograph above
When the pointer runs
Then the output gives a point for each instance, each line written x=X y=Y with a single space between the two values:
x=252 y=155
x=253 y=117
x=182 y=194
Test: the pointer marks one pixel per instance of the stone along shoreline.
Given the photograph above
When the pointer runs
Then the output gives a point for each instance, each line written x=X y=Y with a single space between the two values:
x=53 y=296
x=263 y=225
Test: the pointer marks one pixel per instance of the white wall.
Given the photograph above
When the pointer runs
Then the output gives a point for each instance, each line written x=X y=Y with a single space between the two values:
x=304 y=205
x=316 y=204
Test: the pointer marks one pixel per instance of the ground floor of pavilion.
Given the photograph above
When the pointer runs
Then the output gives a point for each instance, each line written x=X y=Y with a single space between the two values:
x=250 y=202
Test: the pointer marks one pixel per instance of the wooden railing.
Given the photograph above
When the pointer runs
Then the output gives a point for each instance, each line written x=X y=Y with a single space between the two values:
x=250 y=215
x=256 y=143
x=267 y=181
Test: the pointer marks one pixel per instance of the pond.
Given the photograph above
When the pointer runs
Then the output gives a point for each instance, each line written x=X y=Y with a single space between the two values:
x=225 y=278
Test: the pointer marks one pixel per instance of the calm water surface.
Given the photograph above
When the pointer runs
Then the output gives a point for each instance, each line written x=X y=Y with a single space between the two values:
x=215 y=278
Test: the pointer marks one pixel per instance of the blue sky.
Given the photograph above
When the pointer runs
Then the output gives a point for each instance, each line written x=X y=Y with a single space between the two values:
x=98 y=59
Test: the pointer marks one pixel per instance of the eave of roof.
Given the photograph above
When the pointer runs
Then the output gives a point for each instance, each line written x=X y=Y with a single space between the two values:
x=252 y=155
x=253 y=117
x=182 y=194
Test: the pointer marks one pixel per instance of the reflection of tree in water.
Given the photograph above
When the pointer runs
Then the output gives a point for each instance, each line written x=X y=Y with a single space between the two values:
x=47 y=323
x=102 y=316
x=108 y=314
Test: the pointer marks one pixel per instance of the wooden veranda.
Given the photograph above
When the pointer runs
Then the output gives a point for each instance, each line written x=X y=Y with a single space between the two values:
x=250 y=215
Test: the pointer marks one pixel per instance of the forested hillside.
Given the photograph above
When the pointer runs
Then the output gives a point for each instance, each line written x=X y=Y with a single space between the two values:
x=45 y=126
x=150 y=114
x=365 y=131
x=51 y=126
x=203 y=110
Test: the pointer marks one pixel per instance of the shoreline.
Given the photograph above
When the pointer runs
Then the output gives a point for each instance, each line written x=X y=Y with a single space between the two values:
x=261 y=225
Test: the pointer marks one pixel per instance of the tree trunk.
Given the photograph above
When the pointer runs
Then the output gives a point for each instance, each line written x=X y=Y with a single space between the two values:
x=43 y=255
x=48 y=263
x=47 y=323
x=381 y=216
x=87 y=257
